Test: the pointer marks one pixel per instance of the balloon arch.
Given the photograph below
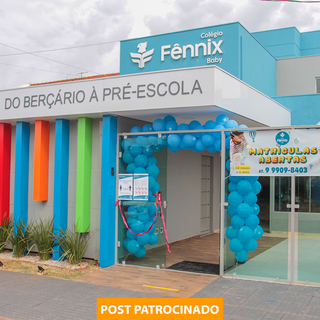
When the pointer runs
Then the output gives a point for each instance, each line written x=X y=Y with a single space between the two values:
x=137 y=155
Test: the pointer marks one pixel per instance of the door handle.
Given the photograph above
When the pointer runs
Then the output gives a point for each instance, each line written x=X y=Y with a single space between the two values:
x=296 y=206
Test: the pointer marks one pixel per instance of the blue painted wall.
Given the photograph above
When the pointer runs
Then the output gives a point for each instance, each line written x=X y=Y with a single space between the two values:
x=305 y=109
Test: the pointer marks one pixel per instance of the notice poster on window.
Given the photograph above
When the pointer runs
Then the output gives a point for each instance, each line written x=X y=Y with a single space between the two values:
x=275 y=153
x=141 y=187
x=125 y=190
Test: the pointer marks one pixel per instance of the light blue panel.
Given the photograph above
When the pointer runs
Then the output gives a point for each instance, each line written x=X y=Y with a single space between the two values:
x=258 y=66
x=226 y=35
x=21 y=178
x=304 y=108
x=108 y=191
x=61 y=170
x=281 y=43
x=310 y=43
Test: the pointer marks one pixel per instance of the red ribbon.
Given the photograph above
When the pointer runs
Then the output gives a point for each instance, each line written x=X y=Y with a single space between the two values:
x=118 y=203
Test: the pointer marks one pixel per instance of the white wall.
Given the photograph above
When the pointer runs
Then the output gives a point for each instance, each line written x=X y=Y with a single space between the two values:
x=297 y=75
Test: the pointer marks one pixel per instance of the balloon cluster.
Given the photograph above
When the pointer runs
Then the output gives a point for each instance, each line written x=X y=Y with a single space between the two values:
x=243 y=210
x=138 y=157
x=140 y=219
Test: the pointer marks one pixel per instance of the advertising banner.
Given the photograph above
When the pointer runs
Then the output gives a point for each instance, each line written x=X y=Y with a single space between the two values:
x=275 y=153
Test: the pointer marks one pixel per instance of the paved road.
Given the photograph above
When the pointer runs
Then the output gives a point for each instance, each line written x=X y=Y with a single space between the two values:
x=25 y=296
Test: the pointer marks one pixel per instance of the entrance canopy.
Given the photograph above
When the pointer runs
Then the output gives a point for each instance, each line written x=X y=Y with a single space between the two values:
x=200 y=93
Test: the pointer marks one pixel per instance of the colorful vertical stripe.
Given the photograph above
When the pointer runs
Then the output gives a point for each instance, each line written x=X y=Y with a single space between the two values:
x=21 y=177
x=41 y=160
x=83 y=193
x=108 y=191
x=5 y=157
x=61 y=175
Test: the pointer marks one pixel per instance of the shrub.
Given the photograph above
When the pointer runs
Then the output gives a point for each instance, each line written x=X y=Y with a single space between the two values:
x=42 y=234
x=5 y=231
x=20 y=238
x=73 y=244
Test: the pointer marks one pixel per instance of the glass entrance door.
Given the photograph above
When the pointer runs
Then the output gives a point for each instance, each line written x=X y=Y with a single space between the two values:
x=141 y=236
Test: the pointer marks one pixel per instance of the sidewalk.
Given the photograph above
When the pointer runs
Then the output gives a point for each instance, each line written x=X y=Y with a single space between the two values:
x=25 y=296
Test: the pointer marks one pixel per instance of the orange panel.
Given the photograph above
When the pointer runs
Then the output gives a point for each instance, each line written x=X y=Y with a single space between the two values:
x=41 y=160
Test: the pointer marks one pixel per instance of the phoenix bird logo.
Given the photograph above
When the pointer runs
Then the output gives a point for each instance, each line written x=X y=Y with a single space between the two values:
x=143 y=56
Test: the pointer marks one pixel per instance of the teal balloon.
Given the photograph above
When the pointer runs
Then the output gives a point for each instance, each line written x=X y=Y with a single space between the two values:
x=147 y=226
x=152 y=210
x=237 y=222
x=152 y=160
x=227 y=143
x=245 y=234
x=147 y=128
x=251 y=245
x=193 y=124
x=125 y=243
x=217 y=134
x=251 y=179
x=130 y=235
x=141 y=252
x=232 y=211
x=189 y=140
x=198 y=127
x=140 y=170
x=235 y=198
x=142 y=209
x=133 y=246
x=182 y=146
x=141 y=160
x=210 y=125
x=153 y=239
x=135 y=150
x=251 y=221
x=257 y=232
x=136 y=129
x=231 y=232
x=168 y=118
x=153 y=140
x=147 y=151
x=157 y=148
x=221 y=119
x=131 y=220
x=250 y=198
x=143 y=239
x=228 y=165
x=231 y=124
x=232 y=187
x=256 y=187
x=171 y=125
x=242 y=256
x=255 y=209
x=159 y=125
x=235 y=179
x=200 y=146
x=133 y=211
x=174 y=149
x=142 y=141
x=243 y=210
x=173 y=140
x=217 y=144
x=236 y=245
x=153 y=171
x=182 y=127
x=126 y=144
x=143 y=217
x=207 y=139
x=156 y=188
x=127 y=157
x=211 y=149
x=243 y=186
x=152 y=182
x=131 y=167
x=137 y=227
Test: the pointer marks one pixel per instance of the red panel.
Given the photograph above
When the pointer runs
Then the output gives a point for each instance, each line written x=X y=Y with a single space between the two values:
x=5 y=158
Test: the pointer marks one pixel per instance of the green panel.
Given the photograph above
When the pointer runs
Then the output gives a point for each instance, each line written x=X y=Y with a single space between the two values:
x=84 y=154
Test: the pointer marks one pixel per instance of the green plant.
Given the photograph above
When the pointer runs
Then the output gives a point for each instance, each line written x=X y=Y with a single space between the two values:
x=20 y=238
x=5 y=231
x=73 y=244
x=42 y=234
